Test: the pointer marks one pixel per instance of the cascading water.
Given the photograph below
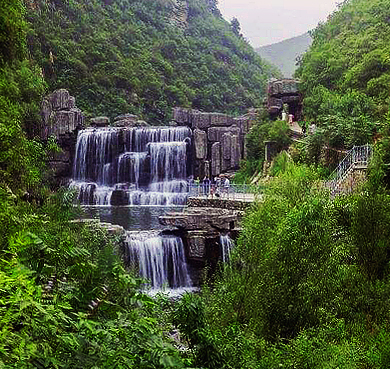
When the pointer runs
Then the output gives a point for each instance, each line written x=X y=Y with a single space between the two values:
x=132 y=166
x=227 y=245
x=138 y=166
x=160 y=259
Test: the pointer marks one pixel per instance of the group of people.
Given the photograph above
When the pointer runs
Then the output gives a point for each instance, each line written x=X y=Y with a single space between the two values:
x=217 y=186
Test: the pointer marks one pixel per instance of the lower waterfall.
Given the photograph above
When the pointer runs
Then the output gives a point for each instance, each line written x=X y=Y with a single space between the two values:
x=227 y=245
x=159 y=259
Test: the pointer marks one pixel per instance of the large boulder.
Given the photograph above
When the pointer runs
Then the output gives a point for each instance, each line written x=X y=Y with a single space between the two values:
x=100 y=122
x=200 y=120
x=218 y=119
x=181 y=115
x=200 y=142
x=215 y=133
x=61 y=100
x=283 y=87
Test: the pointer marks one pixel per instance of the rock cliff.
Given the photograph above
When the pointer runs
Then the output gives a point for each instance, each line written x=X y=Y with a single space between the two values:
x=218 y=139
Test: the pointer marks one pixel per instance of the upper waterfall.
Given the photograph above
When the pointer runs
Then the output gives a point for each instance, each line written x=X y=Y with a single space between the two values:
x=134 y=166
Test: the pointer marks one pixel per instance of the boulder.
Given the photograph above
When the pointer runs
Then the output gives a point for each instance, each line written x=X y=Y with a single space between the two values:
x=200 y=142
x=61 y=100
x=226 y=151
x=100 y=122
x=218 y=119
x=226 y=146
x=61 y=122
x=283 y=87
x=130 y=117
x=215 y=133
x=181 y=115
x=216 y=159
x=200 y=120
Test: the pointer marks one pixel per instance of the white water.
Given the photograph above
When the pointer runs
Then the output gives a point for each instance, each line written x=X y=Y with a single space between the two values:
x=160 y=259
x=147 y=165
x=227 y=245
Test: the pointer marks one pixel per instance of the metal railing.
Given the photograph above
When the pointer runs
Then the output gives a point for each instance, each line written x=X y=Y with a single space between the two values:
x=357 y=157
x=231 y=192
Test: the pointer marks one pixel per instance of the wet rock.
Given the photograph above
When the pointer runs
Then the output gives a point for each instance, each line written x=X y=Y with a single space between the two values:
x=196 y=244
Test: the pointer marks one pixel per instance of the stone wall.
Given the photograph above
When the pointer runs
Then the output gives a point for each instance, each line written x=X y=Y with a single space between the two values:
x=218 y=139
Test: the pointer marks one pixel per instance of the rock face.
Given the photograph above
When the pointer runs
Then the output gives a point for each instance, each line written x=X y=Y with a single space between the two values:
x=218 y=139
x=216 y=159
x=60 y=115
x=200 y=142
x=284 y=91
x=61 y=119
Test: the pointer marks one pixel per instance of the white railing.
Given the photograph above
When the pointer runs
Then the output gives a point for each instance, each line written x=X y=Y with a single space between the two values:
x=357 y=157
x=231 y=192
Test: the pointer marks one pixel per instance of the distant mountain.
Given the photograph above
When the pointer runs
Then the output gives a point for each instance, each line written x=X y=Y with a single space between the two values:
x=283 y=54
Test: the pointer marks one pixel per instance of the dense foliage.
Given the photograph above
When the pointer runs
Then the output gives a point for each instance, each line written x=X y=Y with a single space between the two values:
x=144 y=57
x=65 y=299
x=263 y=130
x=346 y=73
x=308 y=281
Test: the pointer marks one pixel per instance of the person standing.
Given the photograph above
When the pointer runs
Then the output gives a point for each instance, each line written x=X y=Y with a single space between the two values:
x=226 y=185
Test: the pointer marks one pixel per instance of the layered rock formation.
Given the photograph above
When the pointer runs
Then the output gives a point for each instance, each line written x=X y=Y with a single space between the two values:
x=60 y=115
x=61 y=119
x=218 y=139
x=281 y=92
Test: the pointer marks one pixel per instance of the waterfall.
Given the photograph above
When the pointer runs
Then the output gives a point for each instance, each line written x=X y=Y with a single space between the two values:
x=132 y=166
x=227 y=245
x=159 y=259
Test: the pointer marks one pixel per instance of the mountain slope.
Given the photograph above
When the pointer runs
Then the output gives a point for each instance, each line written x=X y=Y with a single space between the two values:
x=144 y=57
x=345 y=76
x=284 y=54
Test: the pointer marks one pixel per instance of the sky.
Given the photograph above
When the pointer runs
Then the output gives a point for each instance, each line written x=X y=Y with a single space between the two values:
x=265 y=22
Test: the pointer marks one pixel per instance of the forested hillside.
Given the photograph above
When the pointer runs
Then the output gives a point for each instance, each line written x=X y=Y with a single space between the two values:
x=346 y=74
x=284 y=54
x=144 y=57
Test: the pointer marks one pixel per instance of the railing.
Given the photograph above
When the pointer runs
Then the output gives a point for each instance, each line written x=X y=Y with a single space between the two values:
x=357 y=157
x=231 y=192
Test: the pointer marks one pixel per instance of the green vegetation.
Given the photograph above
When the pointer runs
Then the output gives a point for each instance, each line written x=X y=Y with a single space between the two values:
x=65 y=298
x=344 y=76
x=143 y=57
x=263 y=130
x=307 y=284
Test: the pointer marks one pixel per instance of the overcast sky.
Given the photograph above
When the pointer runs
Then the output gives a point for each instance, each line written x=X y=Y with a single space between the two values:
x=265 y=22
